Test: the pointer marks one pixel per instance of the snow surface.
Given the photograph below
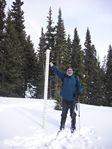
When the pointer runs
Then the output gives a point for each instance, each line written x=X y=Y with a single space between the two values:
x=21 y=126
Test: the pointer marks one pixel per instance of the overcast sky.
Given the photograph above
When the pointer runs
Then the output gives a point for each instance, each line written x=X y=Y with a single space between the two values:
x=95 y=14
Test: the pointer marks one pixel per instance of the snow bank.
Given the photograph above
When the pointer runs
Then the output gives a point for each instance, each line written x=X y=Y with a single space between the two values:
x=21 y=126
x=85 y=139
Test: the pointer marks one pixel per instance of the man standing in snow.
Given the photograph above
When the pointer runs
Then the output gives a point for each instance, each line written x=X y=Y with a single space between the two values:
x=70 y=92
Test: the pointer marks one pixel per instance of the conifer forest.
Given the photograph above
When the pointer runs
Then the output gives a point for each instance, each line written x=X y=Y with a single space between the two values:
x=22 y=66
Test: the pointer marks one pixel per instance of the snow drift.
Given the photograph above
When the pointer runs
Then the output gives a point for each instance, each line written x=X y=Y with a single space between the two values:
x=21 y=126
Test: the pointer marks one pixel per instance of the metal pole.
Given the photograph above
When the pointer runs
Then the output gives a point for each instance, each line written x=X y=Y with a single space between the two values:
x=79 y=115
x=46 y=85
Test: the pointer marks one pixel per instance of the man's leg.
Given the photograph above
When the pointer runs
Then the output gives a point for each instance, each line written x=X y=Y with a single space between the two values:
x=73 y=116
x=64 y=114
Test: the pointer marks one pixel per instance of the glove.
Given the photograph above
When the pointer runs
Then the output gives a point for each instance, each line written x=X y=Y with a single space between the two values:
x=51 y=64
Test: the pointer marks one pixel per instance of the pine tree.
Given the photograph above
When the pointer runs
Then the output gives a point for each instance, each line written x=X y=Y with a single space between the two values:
x=68 y=57
x=30 y=65
x=92 y=68
x=2 y=46
x=60 y=42
x=13 y=60
x=98 y=91
x=2 y=19
x=50 y=40
x=88 y=65
x=60 y=53
x=18 y=18
x=77 y=54
x=102 y=87
x=18 y=22
x=49 y=35
x=77 y=61
x=103 y=79
x=109 y=77
x=41 y=65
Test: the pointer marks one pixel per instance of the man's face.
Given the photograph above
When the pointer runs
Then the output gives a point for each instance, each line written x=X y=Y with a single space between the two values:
x=69 y=72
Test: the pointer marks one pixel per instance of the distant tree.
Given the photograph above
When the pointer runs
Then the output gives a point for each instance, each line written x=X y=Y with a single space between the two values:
x=41 y=65
x=92 y=69
x=77 y=55
x=18 y=18
x=18 y=23
x=27 y=55
x=50 y=34
x=19 y=62
x=99 y=90
x=60 y=42
x=13 y=61
x=103 y=100
x=103 y=79
x=77 y=60
x=2 y=19
x=109 y=77
x=50 y=41
x=30 y=65
x=2 y=46
x=68 y=56
x=60 y=53
x=88 y=64
x=104 y=64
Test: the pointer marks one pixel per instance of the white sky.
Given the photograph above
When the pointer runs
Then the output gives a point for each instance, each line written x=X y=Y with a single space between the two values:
x=95 y=14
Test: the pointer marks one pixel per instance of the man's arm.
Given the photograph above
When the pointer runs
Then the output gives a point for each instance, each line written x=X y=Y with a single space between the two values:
x=57 y=71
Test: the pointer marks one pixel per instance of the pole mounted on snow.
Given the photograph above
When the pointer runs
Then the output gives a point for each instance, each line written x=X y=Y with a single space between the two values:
x=46 y=85
x=79 y=115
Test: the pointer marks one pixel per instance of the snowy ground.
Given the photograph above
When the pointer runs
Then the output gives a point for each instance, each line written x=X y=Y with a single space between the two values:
x=21 y=126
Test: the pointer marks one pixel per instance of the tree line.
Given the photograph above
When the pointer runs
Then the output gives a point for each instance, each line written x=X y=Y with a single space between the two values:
x=22 y=66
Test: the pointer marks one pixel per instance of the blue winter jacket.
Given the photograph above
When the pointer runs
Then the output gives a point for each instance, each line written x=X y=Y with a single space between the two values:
x=71 y=86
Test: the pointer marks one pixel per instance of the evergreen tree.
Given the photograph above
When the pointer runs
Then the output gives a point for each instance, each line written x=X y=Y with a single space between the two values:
x=2 y=46
x=2 y=19
x=18 y=22
x=103 y=79
x=13 y=61
x=68 y=57
x=60 y=53
x=98 y=91
x=15 y=65
x=41 y=65
x=88 y=65
x=102 y=87
x=77 y=55
x=30 y=60
x=77 y=60
x=109 y=77
x=18 y=19
x=50 y=32
x=60 y=42
x=92 y=69
x=50 y=39
x=30 y=66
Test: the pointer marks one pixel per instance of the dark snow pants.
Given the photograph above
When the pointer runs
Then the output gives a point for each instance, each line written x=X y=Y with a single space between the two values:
x=65 y=107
